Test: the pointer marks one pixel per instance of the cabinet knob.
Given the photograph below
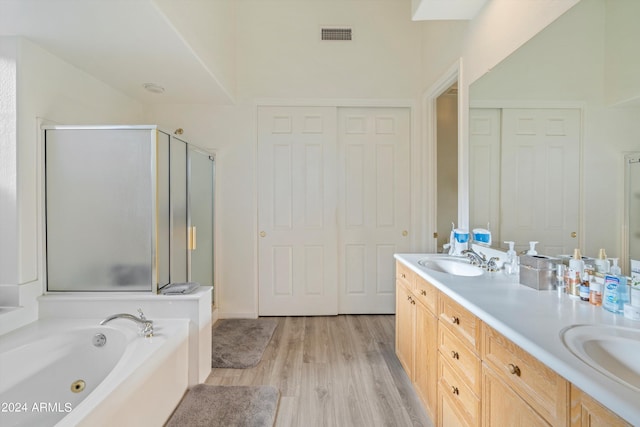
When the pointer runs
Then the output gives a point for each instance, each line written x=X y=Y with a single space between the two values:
x=455 y=390
x=404 y=276
x=514 y=369
x=455 y=320
x=405 y=233
x=574 y=234
x=263 y=234
x=455 y=355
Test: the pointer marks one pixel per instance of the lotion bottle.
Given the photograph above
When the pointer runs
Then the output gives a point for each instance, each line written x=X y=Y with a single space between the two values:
x=602 y=263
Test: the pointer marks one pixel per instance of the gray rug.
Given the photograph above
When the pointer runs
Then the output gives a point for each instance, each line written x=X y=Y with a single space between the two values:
x=227 y=406
x=240 y=343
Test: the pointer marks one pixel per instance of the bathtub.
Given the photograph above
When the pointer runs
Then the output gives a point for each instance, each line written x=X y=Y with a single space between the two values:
x=74 y=372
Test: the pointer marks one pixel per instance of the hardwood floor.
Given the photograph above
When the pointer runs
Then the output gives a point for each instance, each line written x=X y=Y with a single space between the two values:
x=334 y=371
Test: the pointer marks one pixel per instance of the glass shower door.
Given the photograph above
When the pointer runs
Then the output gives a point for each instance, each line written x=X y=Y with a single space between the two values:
x=201 y=200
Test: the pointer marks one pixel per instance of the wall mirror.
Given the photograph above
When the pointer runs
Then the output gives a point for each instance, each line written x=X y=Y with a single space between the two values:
x=548 y=131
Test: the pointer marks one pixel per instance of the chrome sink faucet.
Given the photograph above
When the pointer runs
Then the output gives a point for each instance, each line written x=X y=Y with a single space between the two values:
x=475 y=257
x=146 y=326
x=480 y=260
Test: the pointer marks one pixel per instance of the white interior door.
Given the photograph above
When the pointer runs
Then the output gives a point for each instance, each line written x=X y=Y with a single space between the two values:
x=297 y=260
x=374 y=205
x=484 y=170
x=540 y=172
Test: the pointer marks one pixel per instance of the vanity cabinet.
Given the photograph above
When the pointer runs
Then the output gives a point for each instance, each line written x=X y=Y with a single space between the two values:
x=405 y=318
x=458 y=364
x=587 y=412
x=416 y=334
x=426 y=353
x=546 y=392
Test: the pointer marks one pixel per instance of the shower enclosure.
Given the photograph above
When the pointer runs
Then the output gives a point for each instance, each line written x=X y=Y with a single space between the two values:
x=117 y=209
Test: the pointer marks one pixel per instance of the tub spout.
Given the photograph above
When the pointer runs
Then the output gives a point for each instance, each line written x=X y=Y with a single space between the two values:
x=146 y=326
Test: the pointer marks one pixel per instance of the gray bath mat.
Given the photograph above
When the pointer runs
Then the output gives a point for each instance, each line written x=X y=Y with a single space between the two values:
x=240 y=343
x=226 y=406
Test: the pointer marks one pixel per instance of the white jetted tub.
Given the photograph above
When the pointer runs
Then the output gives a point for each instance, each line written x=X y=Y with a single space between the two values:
x=74 y=372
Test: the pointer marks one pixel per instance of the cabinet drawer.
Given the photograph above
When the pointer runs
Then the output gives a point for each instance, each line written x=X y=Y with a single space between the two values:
x=460 y=321
x=426 y=293
x=546 y=391
x=452 y=387
x=461 y=358
x=405 y=275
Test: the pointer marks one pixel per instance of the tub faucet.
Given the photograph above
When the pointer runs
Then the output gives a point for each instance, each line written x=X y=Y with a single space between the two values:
x=146 y=326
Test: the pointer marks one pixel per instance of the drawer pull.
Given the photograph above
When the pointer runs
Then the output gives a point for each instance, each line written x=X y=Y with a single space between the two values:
x=455 y=320
x=514 y=369
x=413 y=302
x=455 y=355
x=404 y=276
x=423 y=292
x=455 y=390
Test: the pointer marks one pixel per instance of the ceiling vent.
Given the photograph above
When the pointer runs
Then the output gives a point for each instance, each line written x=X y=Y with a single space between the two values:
x=343 y=34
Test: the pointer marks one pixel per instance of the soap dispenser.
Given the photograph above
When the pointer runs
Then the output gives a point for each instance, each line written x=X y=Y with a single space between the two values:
x=615 y=289
x=532 y=248
x=511 y=264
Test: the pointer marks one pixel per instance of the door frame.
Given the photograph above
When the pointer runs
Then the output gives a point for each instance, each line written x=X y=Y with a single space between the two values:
x=429 y=156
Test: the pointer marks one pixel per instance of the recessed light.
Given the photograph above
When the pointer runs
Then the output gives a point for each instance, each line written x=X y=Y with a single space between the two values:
x=154 y=88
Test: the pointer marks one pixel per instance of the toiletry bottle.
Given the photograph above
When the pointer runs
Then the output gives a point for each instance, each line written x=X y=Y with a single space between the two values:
x=615 y=289
x=511 y=264
x=623 y=289
x=595 y=291
x=574 y=274
x=602 y=263
x=584 y=286
x=532 y=248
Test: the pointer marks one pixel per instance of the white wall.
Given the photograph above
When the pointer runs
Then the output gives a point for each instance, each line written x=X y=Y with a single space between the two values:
x=280 y=54
x=50 y=89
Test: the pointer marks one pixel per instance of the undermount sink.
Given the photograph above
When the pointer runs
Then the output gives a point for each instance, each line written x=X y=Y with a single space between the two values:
x=612 y=350
x=450 y=265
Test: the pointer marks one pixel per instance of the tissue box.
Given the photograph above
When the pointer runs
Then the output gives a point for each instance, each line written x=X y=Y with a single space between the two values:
x=538 y=271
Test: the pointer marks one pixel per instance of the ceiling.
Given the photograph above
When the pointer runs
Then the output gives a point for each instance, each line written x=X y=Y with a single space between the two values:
x=124 y=43
x=428 y=10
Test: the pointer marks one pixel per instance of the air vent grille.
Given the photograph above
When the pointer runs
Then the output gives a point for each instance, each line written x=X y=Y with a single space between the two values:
x=336 y=34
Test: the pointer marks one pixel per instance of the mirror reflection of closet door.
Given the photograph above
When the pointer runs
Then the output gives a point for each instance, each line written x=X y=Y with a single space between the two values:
x=201 y=173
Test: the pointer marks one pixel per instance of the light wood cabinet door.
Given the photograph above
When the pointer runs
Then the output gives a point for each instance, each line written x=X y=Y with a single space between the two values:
x=405 y=324
x=586 y=412
x=501 y=406
x=426 y=358
x=545 y=390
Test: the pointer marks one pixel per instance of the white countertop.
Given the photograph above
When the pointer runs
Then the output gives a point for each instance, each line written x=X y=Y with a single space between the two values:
x=533 y=320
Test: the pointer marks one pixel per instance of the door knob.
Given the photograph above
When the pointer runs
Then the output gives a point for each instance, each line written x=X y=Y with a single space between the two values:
x=574 y=234
x=263 y=234
x=405 y=233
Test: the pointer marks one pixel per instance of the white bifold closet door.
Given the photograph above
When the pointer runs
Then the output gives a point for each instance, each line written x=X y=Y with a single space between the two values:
x=333 y=208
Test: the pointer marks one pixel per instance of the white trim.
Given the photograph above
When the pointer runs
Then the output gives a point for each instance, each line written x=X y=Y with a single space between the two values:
x=331 y=102
x=625 y=253
x=428 y=177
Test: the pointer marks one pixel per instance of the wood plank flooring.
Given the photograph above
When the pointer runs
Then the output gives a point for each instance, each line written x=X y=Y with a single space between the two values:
x=334 y=371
